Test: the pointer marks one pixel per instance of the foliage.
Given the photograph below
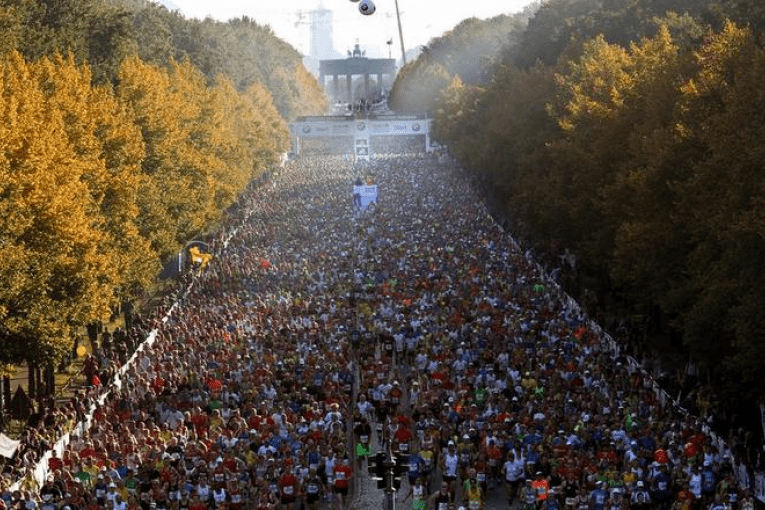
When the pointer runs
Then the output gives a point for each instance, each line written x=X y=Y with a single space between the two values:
x=201 y=146
x=102 y=33
x=631 y=132
x=722 y=116
x=56 y=275
x=468 y=51
x=103 y=135
x=558 y=23
x=110 y=162
x=418 y=87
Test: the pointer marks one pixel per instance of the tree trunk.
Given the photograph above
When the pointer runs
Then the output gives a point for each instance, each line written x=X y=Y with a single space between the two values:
x=31 y=383
x=6 y=393
x=50 y=381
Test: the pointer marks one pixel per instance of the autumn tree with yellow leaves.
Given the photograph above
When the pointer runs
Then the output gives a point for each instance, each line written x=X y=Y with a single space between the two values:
x=57 y=274
x=100 y=185
x=126 y=131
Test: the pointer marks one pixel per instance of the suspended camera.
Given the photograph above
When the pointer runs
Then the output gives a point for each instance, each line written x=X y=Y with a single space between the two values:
x=366 y=7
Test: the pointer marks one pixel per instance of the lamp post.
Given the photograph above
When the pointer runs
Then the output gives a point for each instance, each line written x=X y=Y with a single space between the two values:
x=400 y=34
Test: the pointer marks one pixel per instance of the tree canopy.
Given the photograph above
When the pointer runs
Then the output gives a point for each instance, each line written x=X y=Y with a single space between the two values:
x=127 y=130
x=467 y=52
x=630 y=132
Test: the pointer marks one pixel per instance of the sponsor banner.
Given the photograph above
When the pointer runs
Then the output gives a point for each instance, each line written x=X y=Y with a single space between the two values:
x=360 y=126
x=341 y=129
x=317 y=130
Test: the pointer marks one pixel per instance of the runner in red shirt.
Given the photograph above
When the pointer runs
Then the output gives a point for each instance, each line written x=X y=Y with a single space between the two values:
x=196 y=503
x=289 y=487
x=236 y=496
x=402 y=437
x=55 y=463
x=343 y=474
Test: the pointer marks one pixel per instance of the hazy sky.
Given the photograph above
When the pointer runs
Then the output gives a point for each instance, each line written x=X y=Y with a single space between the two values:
x=421 y=20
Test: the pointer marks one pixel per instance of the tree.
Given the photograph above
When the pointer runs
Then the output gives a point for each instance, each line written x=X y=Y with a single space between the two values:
x=55 y=271
x=296 y=92
x=590 y=111
x=418 y=87
x=265 y=130
x=104 y=136
x=174 y=182
x=720 y=204
x=468 y=51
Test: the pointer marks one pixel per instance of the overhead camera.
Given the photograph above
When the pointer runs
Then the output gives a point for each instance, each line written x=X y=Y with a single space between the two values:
x=366 y=7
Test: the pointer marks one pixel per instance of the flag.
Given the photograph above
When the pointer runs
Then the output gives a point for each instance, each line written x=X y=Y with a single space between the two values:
x=8 y=446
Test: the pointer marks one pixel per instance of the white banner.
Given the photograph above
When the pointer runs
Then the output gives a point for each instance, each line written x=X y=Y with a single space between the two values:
x=366 y=194
x=339 y=127
x=8 y=446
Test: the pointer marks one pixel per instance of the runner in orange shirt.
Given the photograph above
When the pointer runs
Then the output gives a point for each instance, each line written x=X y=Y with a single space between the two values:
x=541 y=487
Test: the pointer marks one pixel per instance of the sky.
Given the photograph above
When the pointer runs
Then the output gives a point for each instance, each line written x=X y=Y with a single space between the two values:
x=421 y=20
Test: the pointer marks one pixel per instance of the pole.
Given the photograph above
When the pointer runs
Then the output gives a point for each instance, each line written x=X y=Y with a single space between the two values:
x=400 y=35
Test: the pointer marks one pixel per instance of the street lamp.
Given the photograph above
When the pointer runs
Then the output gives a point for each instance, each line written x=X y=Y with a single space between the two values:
x=400 y=34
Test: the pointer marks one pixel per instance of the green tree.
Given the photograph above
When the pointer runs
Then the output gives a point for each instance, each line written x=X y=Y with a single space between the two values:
x=650 y=247
x=591 y=102
x=468 y=51
x=720 y=204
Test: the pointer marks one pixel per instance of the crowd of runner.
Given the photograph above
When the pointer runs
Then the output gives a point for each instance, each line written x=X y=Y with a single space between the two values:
x=417 y=320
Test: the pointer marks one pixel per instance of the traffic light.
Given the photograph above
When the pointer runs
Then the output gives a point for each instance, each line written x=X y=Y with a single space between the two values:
x=376 y=469
x=400 y=467
x=374 y=463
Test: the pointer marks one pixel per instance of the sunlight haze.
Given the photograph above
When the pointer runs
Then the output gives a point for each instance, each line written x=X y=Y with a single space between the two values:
x=290 y=20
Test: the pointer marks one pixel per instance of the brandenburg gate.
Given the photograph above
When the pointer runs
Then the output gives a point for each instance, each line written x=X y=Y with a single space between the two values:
x=356 y=64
